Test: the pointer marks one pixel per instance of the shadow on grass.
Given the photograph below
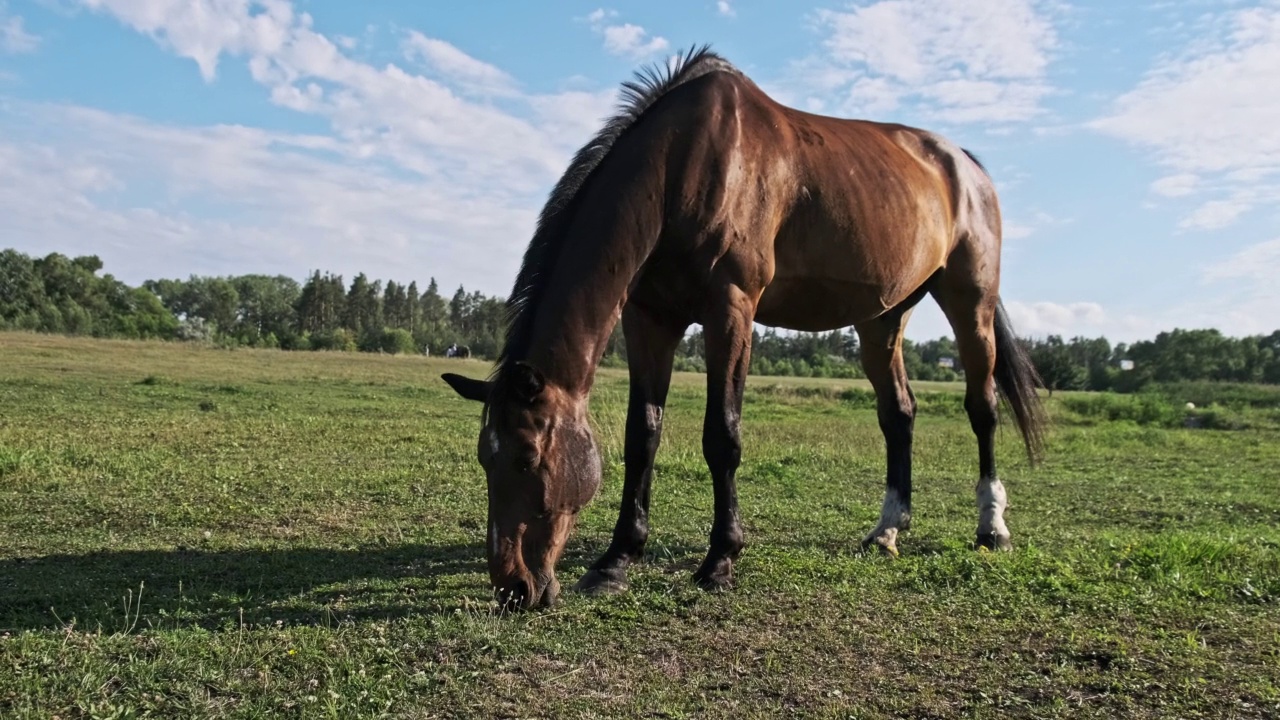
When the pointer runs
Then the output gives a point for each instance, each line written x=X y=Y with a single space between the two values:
x=130 y=590
x=135 y=589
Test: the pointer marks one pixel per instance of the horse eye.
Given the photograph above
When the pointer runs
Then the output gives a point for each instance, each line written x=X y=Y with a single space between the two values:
x=525 y=463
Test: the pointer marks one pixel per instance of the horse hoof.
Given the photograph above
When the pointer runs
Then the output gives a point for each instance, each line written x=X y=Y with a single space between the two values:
x=715 y=576
x=886 y=541
x=991 y=541
x=887 y=549
x=602 y=582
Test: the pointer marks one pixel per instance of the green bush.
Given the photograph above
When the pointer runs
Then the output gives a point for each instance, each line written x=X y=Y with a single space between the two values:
x=340 y=339
x=1234 y=395
x=397 y=342
x=289 y=341
x=1141 y=408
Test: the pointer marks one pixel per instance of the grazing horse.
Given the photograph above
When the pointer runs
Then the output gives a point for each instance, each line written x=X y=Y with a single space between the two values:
x=705 y=201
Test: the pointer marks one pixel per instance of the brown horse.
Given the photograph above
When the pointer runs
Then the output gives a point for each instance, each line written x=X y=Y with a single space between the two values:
x=705 y=201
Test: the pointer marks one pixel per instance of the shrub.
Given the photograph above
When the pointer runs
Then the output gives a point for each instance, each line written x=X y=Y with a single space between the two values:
x=194 y=329
x=1141 y=408
x=397 y=342
x=340 y=339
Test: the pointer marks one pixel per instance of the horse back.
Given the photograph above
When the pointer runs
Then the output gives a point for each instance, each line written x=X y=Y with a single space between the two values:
x=827 y=221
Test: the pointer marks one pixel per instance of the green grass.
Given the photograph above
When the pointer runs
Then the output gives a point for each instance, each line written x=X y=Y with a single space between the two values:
x=196 y=533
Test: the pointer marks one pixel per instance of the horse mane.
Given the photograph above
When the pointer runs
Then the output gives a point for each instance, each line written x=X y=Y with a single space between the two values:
x=637 y=95
x=977 y=162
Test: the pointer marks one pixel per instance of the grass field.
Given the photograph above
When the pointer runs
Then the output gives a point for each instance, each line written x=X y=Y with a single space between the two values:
x=192 y=533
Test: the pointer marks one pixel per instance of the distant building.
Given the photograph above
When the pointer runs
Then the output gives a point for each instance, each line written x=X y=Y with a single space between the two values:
x=1126 y=364
x=947 y=362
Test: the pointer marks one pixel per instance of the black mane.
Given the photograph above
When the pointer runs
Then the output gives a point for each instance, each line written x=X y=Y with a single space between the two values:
x=638 y=94
x=977 y=162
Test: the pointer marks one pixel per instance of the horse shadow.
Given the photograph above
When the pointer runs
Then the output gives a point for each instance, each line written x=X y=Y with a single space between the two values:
x=128 y=590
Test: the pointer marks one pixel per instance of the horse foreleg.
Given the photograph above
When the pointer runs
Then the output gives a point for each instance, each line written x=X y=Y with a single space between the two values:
x=651 y=348
x=728 y=336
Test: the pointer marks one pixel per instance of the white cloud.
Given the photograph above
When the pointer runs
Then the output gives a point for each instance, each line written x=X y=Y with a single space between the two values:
x=1215 y=214
x=241 y=200
x=962 y=61
x=632 y=41
x=417 y=175
x=1259 y=262
x=1210 y=111
x=426 y=125
x=14 y=38
x=1036 y=319
x=1246 y=297
x=1022 y=227
x=625 y=39
x=1017 y=231
x=1177 y=185
x=203 y=30
x=455 y=65
x=725 y=8
x=1047 y=318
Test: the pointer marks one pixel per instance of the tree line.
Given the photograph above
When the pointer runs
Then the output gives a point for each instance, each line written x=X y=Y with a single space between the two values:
x=1173 y=356
x=57 y=294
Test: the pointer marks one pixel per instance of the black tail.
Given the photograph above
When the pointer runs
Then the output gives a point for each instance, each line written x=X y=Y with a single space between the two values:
x=1017 y=379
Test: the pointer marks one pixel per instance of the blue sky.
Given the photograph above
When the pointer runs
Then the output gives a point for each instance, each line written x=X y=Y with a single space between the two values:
x=1136 y=145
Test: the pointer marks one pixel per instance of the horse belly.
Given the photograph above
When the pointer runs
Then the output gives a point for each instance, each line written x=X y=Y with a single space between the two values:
x=817 y=304
x=821 y=283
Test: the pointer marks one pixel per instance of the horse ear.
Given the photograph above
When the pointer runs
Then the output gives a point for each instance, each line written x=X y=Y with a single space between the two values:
x=468 y=388
x=529 y=382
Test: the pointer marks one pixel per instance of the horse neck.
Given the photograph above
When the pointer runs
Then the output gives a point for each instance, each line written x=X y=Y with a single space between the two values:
x=606 y=246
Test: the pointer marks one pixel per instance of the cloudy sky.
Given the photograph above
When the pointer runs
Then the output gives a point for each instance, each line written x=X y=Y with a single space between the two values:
x=1136 y=144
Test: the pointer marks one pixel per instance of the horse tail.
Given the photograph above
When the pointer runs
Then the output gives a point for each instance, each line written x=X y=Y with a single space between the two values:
x=1017 y=379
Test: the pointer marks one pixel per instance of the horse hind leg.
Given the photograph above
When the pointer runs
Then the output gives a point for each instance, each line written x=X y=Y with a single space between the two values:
x=971 y=312
x=881 y=355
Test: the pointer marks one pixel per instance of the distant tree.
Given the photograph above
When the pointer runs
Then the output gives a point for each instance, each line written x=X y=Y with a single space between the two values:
x=395 y=306
x=322 y=304
x=267 y=307
x=412 y=309
x=434 y=308
x=460 y=311
x=364 y=307
x=56 y=293
x=1057 y=368
x=22 y=296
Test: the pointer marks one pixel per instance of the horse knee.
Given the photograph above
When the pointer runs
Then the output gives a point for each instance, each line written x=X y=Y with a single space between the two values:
x=722 y=448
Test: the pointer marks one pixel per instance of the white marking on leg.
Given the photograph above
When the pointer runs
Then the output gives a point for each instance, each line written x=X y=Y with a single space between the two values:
x=991 y=504
x=894 y=513
x=493 y=537
x=493 y=441
x=894 y=516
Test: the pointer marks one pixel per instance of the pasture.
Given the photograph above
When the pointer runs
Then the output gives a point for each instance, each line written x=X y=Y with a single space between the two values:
x=193 y=533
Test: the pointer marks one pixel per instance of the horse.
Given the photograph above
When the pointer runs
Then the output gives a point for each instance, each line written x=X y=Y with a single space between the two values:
x=705 y=201
x=458 y=351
